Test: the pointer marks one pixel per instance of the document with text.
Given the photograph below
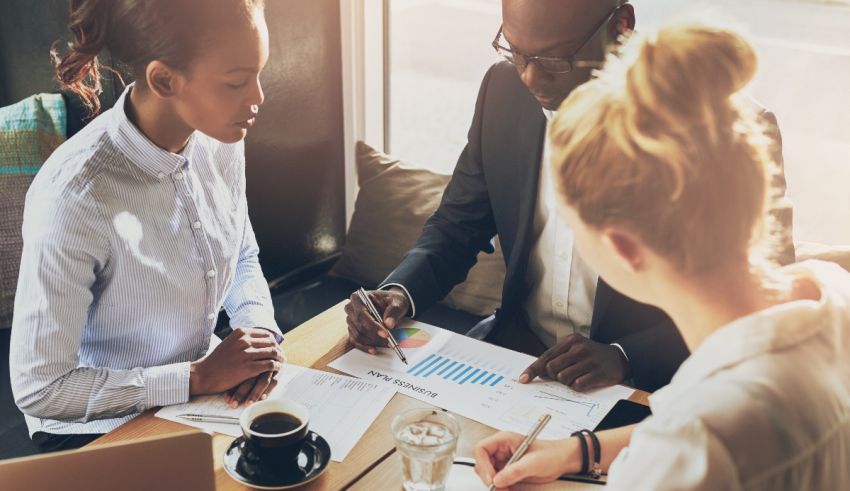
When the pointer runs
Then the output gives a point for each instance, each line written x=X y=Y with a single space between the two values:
x=479 y=380
x=341 y=407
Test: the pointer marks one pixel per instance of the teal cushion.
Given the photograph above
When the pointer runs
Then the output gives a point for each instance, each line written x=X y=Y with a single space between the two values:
x=30 y=131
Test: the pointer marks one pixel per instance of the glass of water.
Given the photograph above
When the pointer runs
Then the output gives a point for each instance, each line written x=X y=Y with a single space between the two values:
x=426 y=440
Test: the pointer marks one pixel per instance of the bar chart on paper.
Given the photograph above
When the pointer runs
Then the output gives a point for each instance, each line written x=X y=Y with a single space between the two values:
x=453 y=368
x=479 y=380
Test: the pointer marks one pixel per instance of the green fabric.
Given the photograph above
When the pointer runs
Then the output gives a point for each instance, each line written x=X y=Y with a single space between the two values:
x=30 y=131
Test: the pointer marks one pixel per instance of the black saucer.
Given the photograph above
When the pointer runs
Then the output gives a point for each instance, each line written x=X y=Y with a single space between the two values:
x=246 y=468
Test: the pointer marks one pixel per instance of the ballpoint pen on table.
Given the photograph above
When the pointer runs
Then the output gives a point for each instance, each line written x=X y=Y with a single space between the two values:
x=364 y=297
x=526 y=442
x=203 y=418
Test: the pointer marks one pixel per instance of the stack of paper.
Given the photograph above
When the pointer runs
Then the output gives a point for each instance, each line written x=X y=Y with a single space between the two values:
x=341 y=408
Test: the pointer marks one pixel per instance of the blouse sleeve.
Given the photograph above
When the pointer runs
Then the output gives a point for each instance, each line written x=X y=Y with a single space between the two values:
x=670 y=454
x=64 y=250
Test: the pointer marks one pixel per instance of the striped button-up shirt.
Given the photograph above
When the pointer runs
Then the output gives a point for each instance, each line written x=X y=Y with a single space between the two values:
x=129 y=253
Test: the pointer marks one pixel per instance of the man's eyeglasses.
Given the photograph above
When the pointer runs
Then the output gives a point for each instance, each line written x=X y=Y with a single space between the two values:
x=551 y=64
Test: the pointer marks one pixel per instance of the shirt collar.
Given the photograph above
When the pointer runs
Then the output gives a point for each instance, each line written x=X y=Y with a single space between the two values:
x=549 y=114
x=773 y=329
x=138 y=148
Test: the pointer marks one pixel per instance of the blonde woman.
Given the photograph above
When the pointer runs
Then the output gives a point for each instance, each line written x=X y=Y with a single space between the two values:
x=664 y=174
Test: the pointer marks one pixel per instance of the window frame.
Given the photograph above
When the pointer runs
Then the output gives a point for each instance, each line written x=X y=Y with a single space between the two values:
x=364 y=29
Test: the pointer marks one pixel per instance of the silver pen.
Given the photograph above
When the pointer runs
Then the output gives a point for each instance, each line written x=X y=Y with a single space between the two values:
x=526 y=442
x=370 y=307
x=204 y=418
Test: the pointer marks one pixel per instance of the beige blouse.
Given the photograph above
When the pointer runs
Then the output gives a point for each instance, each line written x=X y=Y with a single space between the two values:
x=762 y=404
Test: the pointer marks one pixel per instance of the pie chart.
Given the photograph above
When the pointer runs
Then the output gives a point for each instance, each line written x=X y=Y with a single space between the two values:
x=411 y=337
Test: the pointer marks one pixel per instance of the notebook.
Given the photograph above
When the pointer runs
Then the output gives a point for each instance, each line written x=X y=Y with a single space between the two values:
x=463 y=478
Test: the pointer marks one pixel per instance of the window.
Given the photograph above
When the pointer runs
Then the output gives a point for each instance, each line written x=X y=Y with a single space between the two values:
x=440 y=50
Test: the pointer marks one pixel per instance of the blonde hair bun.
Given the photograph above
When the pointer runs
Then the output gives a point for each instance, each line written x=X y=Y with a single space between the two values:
x=661 y=143
x=687 y=73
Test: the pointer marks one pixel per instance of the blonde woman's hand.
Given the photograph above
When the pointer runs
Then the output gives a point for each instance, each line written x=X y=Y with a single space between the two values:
x=544 y=461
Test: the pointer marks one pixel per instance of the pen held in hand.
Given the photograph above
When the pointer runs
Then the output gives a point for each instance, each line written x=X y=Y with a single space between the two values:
x=526 y=442
x=373 y=312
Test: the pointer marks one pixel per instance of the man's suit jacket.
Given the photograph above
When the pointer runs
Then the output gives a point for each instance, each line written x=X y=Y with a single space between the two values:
x=494 y=191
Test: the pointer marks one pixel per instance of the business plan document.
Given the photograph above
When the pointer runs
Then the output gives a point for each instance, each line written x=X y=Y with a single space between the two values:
x=478 y=380
x=341 y=408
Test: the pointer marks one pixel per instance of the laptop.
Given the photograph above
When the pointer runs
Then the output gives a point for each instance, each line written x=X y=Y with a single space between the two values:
x=175 y=461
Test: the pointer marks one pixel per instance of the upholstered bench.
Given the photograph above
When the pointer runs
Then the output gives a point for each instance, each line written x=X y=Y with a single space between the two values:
x=393 y=202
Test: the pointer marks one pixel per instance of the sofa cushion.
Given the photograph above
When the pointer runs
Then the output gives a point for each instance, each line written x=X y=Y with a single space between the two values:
x=29 y=132
x=393 y=203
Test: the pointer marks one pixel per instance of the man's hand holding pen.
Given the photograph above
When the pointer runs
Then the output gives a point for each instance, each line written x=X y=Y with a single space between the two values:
x=364 y=331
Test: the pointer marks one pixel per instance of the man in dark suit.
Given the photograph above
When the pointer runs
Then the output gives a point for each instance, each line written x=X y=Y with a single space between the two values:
x=585 y=334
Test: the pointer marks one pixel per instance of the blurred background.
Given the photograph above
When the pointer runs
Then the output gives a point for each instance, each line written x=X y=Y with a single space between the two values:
x=440 y=49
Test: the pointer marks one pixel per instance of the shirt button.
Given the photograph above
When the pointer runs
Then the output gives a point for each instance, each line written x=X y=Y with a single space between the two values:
x=178 y=175
x=559 y=304
x=161 y=175
x=211 y=316
x=210 y=273
x=196 y=225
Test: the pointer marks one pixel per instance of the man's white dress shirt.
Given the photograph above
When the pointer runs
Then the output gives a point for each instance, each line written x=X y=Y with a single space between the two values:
x=563 y=286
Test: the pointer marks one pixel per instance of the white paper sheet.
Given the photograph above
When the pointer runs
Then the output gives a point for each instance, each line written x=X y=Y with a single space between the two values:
x=479 y=380
x=341 y=408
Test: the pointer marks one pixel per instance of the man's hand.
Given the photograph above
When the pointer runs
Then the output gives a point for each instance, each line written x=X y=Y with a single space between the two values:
x=363 y=332
x=242 y=356
x=580 y=363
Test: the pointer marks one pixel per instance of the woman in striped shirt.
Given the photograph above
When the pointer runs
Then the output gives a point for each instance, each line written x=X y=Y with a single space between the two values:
x=136 y=230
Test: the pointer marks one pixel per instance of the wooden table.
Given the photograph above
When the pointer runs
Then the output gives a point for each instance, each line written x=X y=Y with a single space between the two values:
x=371 y=464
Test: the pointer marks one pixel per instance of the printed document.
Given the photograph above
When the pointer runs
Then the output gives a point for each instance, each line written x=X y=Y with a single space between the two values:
x=341 y=408
x=479 y=380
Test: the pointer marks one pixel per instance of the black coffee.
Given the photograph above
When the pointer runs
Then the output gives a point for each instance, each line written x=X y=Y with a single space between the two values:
x=275 y=423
